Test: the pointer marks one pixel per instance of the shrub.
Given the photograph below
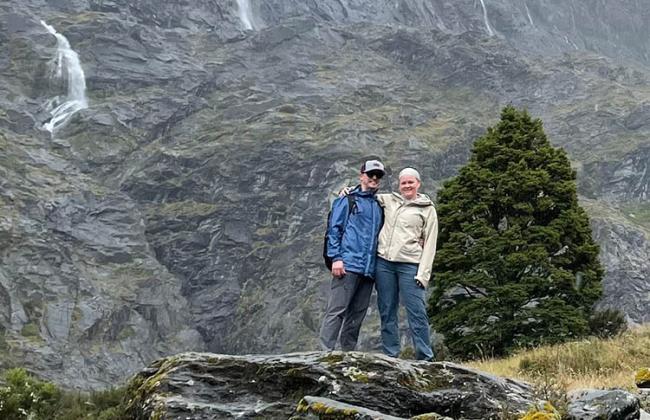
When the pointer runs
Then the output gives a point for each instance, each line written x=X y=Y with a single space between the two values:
x=27 y=397
x=607 y=323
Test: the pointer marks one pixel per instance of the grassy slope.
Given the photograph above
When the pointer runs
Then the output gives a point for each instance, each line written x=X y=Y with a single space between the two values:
x=591 y=363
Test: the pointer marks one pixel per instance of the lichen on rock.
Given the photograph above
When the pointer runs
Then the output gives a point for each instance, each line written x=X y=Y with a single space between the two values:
x=642 y=378
x=545 y=412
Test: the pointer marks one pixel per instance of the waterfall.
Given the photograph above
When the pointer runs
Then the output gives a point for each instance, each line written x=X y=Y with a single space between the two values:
x=245 y=14
x=68 y=69
x=485 y=18
x=530 y=19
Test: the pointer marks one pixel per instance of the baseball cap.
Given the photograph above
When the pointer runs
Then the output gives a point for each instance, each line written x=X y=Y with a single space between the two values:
x=372 y=165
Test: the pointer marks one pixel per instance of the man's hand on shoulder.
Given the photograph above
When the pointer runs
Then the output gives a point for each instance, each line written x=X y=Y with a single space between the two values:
x=345 y=191
x=338 y=270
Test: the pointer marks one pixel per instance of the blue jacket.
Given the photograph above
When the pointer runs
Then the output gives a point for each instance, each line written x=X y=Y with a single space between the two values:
x=353 y=239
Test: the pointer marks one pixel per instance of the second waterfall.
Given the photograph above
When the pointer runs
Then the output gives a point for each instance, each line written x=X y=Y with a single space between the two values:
x=246 y=14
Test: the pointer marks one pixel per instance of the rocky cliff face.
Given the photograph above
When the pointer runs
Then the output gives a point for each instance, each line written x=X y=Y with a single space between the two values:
x=184 y=208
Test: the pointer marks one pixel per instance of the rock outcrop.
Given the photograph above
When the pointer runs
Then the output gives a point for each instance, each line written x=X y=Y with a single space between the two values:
x=348 y=385
x=602 y=404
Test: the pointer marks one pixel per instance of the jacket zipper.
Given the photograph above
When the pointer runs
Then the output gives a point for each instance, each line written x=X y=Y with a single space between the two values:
x=392 y=231
x=372 y=242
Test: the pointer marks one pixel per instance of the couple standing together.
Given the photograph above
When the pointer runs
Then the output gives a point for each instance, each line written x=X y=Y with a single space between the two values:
x=388 y=240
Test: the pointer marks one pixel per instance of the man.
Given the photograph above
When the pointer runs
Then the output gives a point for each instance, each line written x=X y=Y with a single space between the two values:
x=352 y=245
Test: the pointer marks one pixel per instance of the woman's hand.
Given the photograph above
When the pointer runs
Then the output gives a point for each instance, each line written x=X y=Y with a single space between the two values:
x=345 y=191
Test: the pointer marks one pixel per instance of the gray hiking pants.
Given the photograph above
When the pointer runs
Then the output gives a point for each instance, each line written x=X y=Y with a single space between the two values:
x=346 y=309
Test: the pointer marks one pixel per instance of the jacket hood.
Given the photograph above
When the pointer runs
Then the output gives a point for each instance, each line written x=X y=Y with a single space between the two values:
x=420 y=200
x=357 y=191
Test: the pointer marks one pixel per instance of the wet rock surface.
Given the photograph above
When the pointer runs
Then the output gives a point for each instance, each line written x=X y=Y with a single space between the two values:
x=602 y=404
x=624 y=253
x=184 y=208
x=353 y=384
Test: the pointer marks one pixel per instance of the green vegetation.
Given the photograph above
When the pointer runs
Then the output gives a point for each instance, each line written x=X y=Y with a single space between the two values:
x=323 y=410
x=30 y=330
x=589 y=363
x=547 y=412
x=516 y=263
x=638 y=213
x=26 y=397
x=332 y=358
x=85 y=17
x=607 y=323
x=144 y=385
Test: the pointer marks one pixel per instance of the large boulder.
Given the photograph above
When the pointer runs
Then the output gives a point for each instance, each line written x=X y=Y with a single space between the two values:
x=206 y=386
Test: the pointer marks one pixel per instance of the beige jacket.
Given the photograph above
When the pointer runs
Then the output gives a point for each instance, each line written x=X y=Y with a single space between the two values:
x=406 y=223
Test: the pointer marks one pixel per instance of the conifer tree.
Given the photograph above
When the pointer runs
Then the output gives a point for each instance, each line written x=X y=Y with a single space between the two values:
x=516 y=264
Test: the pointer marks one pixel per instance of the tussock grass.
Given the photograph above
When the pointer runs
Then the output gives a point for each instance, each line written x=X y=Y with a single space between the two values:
x=590 y=363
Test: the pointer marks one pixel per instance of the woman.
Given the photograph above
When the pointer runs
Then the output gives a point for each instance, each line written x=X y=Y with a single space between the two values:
x=407 y=246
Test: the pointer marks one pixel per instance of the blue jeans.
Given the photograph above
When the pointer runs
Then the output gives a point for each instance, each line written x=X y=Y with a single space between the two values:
x=395 y=281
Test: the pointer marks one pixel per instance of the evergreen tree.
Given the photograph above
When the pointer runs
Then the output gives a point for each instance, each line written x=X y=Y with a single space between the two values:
x=516 y=264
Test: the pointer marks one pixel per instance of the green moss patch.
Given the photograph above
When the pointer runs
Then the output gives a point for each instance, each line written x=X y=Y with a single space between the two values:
x=546 y=412
x=331 y=358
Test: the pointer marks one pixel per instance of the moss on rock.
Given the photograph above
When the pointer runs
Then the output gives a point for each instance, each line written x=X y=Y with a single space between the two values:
x=547 y=412
x=144 y=389
x=332 y=358
x=30 y=330
x=429 y=416
x=326 y=409
x=642 y=378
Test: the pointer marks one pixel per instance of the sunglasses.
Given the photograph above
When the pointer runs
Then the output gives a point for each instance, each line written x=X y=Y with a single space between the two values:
x=375 y=174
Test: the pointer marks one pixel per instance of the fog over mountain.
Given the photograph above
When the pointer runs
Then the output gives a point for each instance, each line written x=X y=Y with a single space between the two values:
x=165 y=167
